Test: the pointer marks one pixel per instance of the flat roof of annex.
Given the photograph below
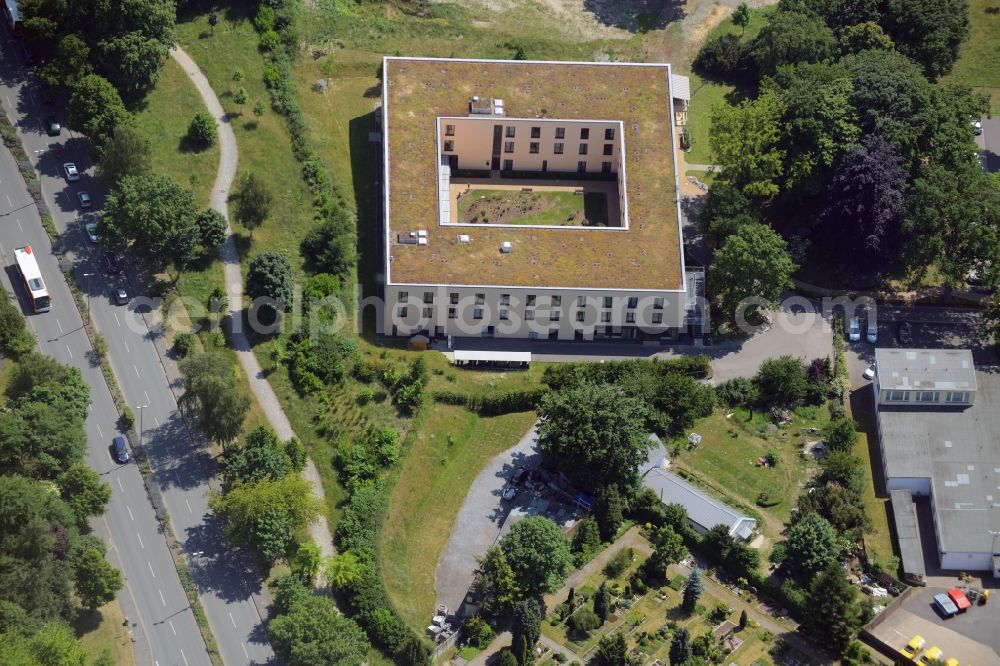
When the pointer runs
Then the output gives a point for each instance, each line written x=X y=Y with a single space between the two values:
x=645 y=257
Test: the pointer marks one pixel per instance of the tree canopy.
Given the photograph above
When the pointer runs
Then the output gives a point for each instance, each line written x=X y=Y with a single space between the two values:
x=153 y=213
x=745 y=140
x=269 y=275
x=538 y=554
x=832 y=614
x=308 y=630
x=751 y=270
x=812 y=545
x=792 y=37
x=211 y=390
x=127 y=153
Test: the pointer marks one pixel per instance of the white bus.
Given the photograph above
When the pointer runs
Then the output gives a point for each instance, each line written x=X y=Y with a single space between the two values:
x=27 y=266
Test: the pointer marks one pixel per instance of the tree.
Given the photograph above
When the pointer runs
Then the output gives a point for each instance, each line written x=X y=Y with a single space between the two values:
x=726 y=210
x=587 y=538
x=792 y=37
x=845 y=469
x=97 y=582
x=682 y=400
x=211 y=390
x=258 y=111
x=840 y=434
x=311 y=632
x=609 y=511
x=526 y=624
x=741 y=17
x=812 y=545
x=476 y=632
x=241 y=97
x=202 y=132
x=212 y=228
x=538 y=554
x=154 y=214
x=266 y=513
x=692 y=591
x=669 y=549
x=613 y=650
x=680 y=646
x=507 y=658
x=262 y=456
x=745 y=140
x=721 y=56
x=522 y=652
x=751 y=270
x=744 y=620
x=96 y=109
x=602 y=602
x=306 y=562
x=51 y=645
x=595 y=433
x=782 y=380
x=495 y=584
x=127 y=153
x=929 y=31
x=82 y=489
x=844 y=508
x=583 y=621
x=832 y=615
x=329 y=247
x=343 y=570
x=253 y=202
x=269 y=275
x=15 y=338
x=132 y=63
x=864 y=36
x=70 y=63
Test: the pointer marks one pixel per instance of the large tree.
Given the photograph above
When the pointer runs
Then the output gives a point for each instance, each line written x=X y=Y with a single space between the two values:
x=495 y=584
x=97 y=582
x=693 y=589
x=812 y=545
x=84 y=491
x=746 y=142
x=595 y=433
x=261 y=456
x=210 y=389
x=782 y=380
x=929 y=31
x=132 y=63
x=329 y=247
x=70 y=63
x=832 y=615
x=751 y=270
x=527 y=622
x=668 y=548
x=153 y=213
x=253 y=201
x=269 y=275
x=96 y=109
x=792 y=37
x=538 y=554
x=680 y=646
x=310 y=631
x=126 y=154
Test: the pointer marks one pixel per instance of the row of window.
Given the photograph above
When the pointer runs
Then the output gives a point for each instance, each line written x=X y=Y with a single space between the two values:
x=529 y=315
x=510 y=131
x=532 y=299
x=956 y=397
x=534 y=148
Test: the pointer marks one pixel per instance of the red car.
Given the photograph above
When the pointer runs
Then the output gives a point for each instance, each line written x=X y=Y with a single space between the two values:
x=959 y=599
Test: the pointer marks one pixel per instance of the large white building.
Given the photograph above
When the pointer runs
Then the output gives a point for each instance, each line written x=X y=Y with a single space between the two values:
x=478 y=155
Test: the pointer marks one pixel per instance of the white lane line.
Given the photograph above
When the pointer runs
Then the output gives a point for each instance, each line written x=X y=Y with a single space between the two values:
x=70 y=351
x=184 y=658
x=188 y=505
x=99 y=431
x=90 y=407
x=157 y=421
x=19 y=226
x=171 y=623
x=136 y=370
x=129 y=509
x=59 y=325
x=154 y=574
x=7 y=97
x=233 y=620
x=147 y=398
x=161 y=596
x=116 y=318
x=126 y=346
x=244 y=649
x=120 y=486
x=9 y=202
x=141 y=544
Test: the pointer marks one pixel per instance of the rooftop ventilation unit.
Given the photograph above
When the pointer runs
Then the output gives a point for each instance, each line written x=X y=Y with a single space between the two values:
x=464 y=239
x=422 y=241
x=422 y=233
x=506 y=247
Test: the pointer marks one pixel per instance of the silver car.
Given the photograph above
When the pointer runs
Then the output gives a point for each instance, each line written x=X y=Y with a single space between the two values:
x=72 y=175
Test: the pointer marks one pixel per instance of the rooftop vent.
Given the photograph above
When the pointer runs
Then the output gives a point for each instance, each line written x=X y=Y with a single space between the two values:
x=464 y=239
x=506 y=247
x=422 y=241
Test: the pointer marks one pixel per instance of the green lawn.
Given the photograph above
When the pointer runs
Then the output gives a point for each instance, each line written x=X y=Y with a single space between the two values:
x=978 y=65
x=103 y=629
x=534 y=208
x=878 y=542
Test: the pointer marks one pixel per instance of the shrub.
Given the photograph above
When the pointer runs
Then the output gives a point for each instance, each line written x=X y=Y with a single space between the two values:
x=202 y=132
x=184 y=344
x=476 y=632
x=738 y=392
x=720 y=56
x=618 y=563
x=840 y=434
x=584 y=621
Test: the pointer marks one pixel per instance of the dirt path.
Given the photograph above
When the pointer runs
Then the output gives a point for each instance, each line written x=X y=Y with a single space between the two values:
x=228 y=160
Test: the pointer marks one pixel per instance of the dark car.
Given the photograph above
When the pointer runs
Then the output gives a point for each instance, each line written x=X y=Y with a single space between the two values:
x=121 y=449
x=52 y=126
x=111 y=264
x=121 y=296
x=518 y=476
x=905 y=333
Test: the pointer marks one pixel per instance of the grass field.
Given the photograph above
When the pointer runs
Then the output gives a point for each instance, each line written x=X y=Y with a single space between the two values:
x=978 y=65
x=540 y=208
x=878 y=542
x=103 y=629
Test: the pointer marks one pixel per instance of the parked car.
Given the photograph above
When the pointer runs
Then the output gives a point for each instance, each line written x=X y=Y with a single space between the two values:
x=853 y=329
x=932 y=656
x=111 y=264
x=958 y=598
x=518 y=476
x=91 y=229
x=905 y=333
x=944 y=605
x=872 y=332
x=977 y=127
x=121 y=449
x=121 y=296
x=52 y=126
x=869 y=372
x=72 y=175
x=85 y=200
x=509 y=493
x=914 y=647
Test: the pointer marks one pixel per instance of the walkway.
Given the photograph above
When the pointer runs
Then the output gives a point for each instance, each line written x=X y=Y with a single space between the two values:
x=228 y=161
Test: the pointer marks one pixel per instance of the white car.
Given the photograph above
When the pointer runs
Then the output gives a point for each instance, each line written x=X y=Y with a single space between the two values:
x=91 y=228
x=85 y=200
x=869 y=372
x=72 y=175
x=854 y=330
x=509 y=493
x=977 y=127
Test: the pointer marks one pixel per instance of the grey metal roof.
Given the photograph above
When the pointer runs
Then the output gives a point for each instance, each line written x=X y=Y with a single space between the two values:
x=925 y=369
x=904 y=513
x=680 y=87
x=703 y=510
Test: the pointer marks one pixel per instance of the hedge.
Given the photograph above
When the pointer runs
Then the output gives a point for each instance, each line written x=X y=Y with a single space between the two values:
x=569 y=374
x=495 y=404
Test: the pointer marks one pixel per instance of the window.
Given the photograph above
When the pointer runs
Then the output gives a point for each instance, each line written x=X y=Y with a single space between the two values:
x=629 y=317
x=428 y=313
x=607 y=301
x=605 y=167
x=536 y=132
x=957 y=396
x=452 y=314
x=503 y=315
x=579 y=315
x=556 y=301
x=633 y=302
x=404 y=312
x=557 y=148
x=533 y=147
x=927 y=396
x=605 y=317
x=480 y=299
x=554 y=315
x=508 y=165
x=609 y=134
x=584 y=133
x=609 y=149
x=403 y=296
x=477 y=313
x=529 y=315
x=530 y=301
x=509 y=131
x=454 y=297
x=449 y=130
x=560 y=132
x=504 y=299
x=428 y=297
x=657 y=303
x=898 y=396
x=581 y=301
x=581 y=166
x=449 y=146
x=508 y=146
x=583 y=149
x=657 y=317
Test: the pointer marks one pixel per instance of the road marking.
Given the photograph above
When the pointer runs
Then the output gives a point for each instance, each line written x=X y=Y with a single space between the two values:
x=19 y=226
x=126 y=347
x=147 y=400
x=70 y=351
x=59 y=325
x=99 y=431
x=157 y=421
x=232 y=619
x=7 y=97
x=9 y=202
x=116 y=318
x=161 y=595
x=188 y=506
x=141 y=544
x=129 y=509
x=184 y=658
x=136 y=370
x=154 y=575
x=120 y=486
x=244 y=649
x=171 y=623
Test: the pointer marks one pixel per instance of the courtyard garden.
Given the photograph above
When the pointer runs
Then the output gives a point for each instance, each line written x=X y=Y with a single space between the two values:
x=541 y=208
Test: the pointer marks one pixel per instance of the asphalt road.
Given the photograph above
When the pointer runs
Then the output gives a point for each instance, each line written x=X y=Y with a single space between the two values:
x=181 y=469
x=989 y=143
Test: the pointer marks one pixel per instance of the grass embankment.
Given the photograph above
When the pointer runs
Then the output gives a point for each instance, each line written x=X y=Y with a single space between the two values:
x=104 y=629
x=978 y=64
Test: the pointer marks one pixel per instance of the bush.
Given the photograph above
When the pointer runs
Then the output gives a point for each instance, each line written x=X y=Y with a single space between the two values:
x=15 y=339
x=476 y=632
x=782 y=380
x=202 y=132
x=720 y=56
x=584 y=621
x=840 y=434
x=618 y=563
x=184 y=344
x=738 y=392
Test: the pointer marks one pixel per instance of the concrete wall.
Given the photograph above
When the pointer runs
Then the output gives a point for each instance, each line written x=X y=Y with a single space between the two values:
x=516 y=306
x=966 y=561
x=917 y=486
